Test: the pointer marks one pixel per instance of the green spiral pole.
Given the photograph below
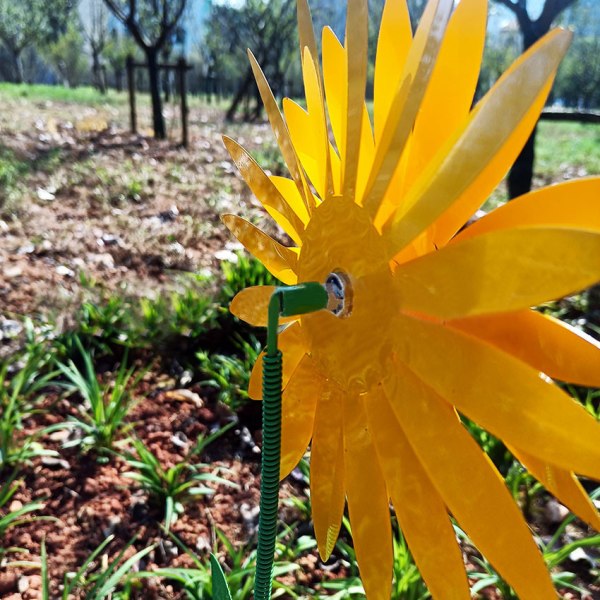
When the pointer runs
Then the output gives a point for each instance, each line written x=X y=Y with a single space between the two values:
x=287 y=302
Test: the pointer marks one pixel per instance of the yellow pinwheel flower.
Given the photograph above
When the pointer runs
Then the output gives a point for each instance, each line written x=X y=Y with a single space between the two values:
x=434 y=320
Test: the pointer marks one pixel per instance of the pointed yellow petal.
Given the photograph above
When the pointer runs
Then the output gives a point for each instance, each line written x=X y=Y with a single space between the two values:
x=368 y=505
x=500 y=271
x=356 y=43
x=395 y=37
x=450 y=92
x=251 y=305
x=502 y=394
x=288 y=189
x=469 y=483
x=298 y=405
x=262 y=187
x=327 y=470
x=421 y=512
x=281 y=132
x=405 y=106
x=472 y=161
x=306 y=31
x=547 y=344
x=562 y=484
x=335 y=69
x=278 y=259
x=571 y=204
x=293 y=347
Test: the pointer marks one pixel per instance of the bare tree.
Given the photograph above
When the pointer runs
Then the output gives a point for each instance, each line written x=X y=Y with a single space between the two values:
x=151 y=23
x=95 y=28
x=521 y=174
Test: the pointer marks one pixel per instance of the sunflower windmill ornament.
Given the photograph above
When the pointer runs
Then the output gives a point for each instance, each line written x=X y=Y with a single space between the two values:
x=421 y=320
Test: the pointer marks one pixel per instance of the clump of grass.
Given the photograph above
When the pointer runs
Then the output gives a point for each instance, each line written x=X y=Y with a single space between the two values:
x=57 y=93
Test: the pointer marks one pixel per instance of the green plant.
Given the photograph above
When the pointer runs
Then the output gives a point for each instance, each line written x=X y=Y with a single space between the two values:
x=17 y=398
x=245 y=272
x=103 y=413
x=97 y=585
x=169 y=489
x=12 y=518
x=230 y=374
x=240 y=566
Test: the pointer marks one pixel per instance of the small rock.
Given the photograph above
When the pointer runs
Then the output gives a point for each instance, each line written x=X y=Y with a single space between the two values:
x=15 y=505
x=50 y=461
x=45 y=195
x=26 y=249
x=3 y=226
x=555 y=512
x=203 y=544
x=580 y=554
x=9 y=328
x=23 y=585
x=185 y=395
x=65 y=271
x=11 y=272
x=179 y=439
x=8 y=583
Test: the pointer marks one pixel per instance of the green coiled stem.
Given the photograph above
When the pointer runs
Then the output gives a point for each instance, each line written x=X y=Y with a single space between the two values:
x=269 y=485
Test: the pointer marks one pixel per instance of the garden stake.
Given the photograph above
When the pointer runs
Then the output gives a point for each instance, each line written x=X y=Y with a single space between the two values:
x=285 y=302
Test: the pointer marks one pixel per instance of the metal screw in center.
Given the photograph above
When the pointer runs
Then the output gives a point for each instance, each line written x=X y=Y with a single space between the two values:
x=339 y=290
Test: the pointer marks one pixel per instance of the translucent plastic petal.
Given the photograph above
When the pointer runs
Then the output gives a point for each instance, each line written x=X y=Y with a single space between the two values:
x=470 y=485
x=562 y=484
x=327 y=470
x=465 y=165
x=298 y=405
x=450 y=92
x=500 y=271
x=357 y=34
x=278 y=259
x=368 y=505
x=262 y=187
x=306 y=32
x=335 y=69
x=252 y=304
x=281 y=132
x=420 y=510
x=503 y=395
x=571 y=204
x=395 y=37
x=405 y=106
x=288 y=189
x=292 y=344
x=547 y=344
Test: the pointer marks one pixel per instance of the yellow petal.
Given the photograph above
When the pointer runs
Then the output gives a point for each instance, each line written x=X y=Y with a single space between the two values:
x=500 y=271
x=356 y=44
x=368 y=505
x=262 y=187
x=281 y=133
x=450 y=92
x=335 y=69
x=547 y=344
x=252 y=304
x=298 y=405
x=288 y=189
x=279 y=260
x=503 y=395
x=477 y=158
x=562 y=484
x=571 y=204
x=306 y=31
x=327 y=470
x=405 y=106
x=470 y=485
x=395 y=37
x=293 y=347
x=420 y=510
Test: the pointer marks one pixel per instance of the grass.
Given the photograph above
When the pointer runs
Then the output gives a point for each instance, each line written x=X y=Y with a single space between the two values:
x=569 y=147
x=58 y=93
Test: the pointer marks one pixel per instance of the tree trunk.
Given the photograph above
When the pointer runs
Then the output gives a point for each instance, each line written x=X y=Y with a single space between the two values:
x=520 y=176
x=158 y=121
x=17 y=66
x=98 y=75
x=242 y=93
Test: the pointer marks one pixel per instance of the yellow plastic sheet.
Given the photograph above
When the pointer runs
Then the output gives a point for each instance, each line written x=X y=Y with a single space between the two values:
x=278 y=259
x=421 y=512
x=472 y=489
x=499 y=271
x=368 y=505
x=327 y=491
x=502 y=394
x=252 y=305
